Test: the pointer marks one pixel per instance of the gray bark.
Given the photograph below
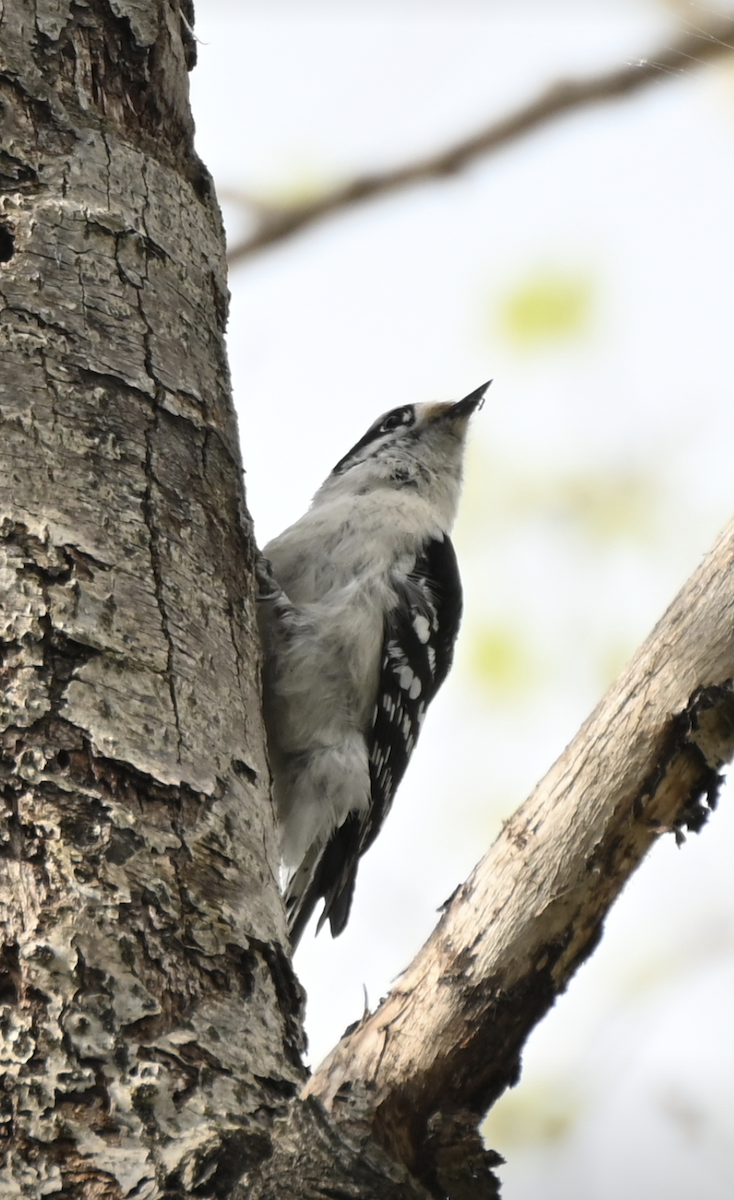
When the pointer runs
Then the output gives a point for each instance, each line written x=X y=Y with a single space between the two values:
x=149 y=1016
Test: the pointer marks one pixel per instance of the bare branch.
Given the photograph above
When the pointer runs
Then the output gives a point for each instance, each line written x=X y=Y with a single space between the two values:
x=274 y=224
x=448 y=1038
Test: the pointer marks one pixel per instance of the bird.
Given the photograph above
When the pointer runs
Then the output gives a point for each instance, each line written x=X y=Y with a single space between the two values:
x=359 y=607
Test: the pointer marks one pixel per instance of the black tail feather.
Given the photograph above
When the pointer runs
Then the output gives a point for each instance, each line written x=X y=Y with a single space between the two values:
x=331 y=876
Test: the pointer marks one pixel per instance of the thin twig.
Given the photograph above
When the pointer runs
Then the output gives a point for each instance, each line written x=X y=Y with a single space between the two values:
x=274 y=224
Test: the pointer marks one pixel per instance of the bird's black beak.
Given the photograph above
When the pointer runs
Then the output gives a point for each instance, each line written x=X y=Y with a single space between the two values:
x=471 y=403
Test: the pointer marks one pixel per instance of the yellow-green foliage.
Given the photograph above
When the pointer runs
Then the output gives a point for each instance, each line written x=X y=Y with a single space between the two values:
x=500 y=659
x=535 y=1113
x=608 y=506
x=547 y=306
x=301 y=182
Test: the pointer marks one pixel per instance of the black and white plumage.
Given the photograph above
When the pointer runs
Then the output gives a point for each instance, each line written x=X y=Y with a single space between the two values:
x=359 y=610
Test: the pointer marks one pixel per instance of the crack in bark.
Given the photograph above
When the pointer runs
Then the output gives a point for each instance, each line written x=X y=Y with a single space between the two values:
x=148 y=509
x=231 y=615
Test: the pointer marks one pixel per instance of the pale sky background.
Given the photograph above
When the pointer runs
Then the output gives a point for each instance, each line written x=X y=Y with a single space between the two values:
x=599 y=473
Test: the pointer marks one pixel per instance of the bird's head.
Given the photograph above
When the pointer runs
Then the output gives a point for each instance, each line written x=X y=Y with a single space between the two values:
x=411 y=446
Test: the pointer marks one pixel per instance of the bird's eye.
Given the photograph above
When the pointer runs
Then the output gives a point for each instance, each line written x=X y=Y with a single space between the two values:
x=392 y=422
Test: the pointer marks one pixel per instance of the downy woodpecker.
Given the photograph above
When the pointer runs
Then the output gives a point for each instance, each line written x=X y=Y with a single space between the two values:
x=360 y=603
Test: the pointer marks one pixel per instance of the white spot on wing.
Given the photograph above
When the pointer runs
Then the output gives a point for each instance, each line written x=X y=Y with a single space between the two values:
x=406 y=679
x=422 y=628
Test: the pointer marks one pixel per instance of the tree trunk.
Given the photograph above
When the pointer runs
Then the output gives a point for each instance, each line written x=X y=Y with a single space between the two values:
x=142 y=926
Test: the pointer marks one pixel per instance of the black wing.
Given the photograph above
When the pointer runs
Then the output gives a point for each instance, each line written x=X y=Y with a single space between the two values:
x=417 y=651
x=417 y=654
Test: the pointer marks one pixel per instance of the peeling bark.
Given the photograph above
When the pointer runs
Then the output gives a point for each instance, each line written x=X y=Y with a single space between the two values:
x=149 y=1018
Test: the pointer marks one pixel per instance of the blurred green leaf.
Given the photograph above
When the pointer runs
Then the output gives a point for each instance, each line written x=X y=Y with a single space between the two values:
x=537 y=1113
x=548 y=306
x=615 y=506
x=609 y=506
x=302 y=181
x=500 y=659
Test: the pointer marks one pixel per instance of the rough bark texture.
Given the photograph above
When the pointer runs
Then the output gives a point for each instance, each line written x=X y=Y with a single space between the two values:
x=148 y=1015
x=449 y=1037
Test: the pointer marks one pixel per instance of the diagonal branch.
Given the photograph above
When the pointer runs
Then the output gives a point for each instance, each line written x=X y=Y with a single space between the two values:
x=447 y=1041
x=274 y=224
